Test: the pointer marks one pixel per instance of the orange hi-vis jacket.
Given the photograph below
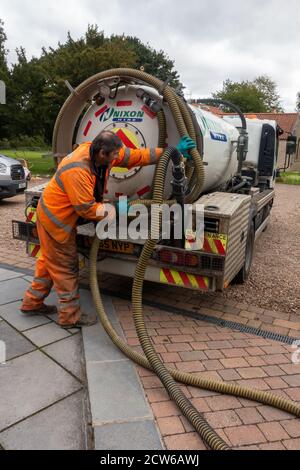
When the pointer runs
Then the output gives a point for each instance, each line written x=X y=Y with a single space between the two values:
x=70 y=193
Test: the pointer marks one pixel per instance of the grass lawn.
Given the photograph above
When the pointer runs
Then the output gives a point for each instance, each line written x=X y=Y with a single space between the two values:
x=289 y=178
x=37 y=164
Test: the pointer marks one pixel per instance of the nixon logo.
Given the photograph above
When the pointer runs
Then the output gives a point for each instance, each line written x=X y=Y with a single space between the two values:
x=121 y=116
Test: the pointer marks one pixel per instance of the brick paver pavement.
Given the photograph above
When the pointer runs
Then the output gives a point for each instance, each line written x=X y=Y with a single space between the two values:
x=221 y=353
x=241 y=423
x=12 y=252
x=210 y=304
x=198 y=347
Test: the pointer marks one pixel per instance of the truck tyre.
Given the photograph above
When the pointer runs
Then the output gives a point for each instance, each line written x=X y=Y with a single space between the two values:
x=243 y=274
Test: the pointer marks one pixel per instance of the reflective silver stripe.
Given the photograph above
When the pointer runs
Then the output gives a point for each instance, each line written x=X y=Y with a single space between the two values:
x=69 y=166
x=126 y=158
x=84 y=207
x=59 y=182
x=73 y=303
x=54 y=219
x=37 y=293
x=68 y=295
x=152 y=156
x=42 y=280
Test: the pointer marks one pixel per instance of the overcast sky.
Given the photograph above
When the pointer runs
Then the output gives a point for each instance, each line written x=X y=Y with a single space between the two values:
x=210 y=40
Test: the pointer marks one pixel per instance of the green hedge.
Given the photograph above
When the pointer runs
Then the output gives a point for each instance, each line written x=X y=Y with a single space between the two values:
x=24 y=142
x=38 y=164
x=289 y=178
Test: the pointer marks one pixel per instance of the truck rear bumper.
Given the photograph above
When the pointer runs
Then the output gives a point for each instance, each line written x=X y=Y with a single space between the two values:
x=157 y=274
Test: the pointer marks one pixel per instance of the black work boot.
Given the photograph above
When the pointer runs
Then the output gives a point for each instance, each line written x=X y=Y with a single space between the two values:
x=84 y=320
x=42 y=310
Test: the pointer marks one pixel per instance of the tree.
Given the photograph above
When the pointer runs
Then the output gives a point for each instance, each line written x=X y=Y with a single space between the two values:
x=268 y=88
x=258 y=96
x=298 y=102
x=154 y=62
x=4 y=76
x=26 y=103
x=75 y=61
x=3 y=53
x=38 y=87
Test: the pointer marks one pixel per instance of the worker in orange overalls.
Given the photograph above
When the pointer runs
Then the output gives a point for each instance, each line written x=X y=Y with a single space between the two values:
x=76 y=190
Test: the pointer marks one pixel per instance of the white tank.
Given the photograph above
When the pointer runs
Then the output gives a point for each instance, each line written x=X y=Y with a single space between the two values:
x=137 y=126
x=254 y=129
x=219 y=152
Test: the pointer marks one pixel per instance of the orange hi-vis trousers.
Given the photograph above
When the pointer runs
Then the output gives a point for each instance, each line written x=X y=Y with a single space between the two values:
x=58 y=265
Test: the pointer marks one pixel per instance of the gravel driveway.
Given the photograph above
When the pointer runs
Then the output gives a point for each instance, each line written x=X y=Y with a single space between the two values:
x=274 y=282
x=13 y=208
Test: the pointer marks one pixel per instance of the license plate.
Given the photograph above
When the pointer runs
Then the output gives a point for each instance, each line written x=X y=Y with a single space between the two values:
x=116 y=246
x=22 y=185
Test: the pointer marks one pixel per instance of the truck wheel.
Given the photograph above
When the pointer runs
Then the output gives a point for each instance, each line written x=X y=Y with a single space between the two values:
x=243 y=274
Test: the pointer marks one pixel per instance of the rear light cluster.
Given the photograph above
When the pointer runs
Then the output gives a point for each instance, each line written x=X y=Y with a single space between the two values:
x=178 y=258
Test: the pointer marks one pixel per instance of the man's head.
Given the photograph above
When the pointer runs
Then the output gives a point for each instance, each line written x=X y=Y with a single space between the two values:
x=105 y=148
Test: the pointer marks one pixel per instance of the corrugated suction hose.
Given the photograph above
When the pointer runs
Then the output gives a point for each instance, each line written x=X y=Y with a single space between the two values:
x=152 y=360
x=72 y=108
x=61 y=143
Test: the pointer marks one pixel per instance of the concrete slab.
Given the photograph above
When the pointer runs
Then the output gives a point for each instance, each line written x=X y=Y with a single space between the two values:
x=109 y=309
x=136 y=435
x=115 y=392
x=52 y=298
x=60 y=427
x=86 y=303
x=46 y=334
x=86 y=300
x=28 y=278
x=16 y=344
x=29 y=384
x=99 y=347
x=68 y=352
x=121 y=416
x=88 y=306
x=17 y=269
x=5 y=274
x=22 y=322
x=54 y=318
x=12 y=290
x=74 y=331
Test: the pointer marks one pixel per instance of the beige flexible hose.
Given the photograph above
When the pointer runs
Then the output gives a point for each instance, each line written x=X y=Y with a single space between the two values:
x=211 y=438
x=152 y=361
x=75 y=103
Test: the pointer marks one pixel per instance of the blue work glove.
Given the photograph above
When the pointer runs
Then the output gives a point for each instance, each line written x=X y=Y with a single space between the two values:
x=122 y=207
x=185 y=145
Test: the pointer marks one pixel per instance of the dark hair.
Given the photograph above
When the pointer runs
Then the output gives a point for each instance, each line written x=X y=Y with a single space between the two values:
x=107 y=141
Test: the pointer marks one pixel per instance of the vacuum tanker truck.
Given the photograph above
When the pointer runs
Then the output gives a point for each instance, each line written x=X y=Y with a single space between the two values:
x=238 y=160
